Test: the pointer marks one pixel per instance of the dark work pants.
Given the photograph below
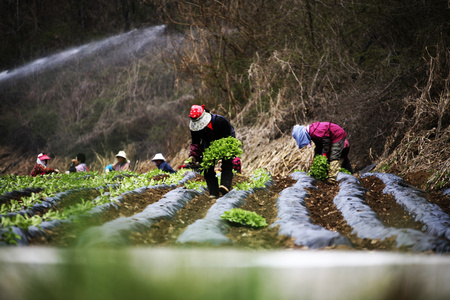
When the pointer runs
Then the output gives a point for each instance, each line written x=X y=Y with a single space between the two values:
x=346 y=164
x=339 y=152
x=226 y=177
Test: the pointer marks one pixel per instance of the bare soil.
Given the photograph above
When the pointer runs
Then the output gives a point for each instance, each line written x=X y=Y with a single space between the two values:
x=320 y=206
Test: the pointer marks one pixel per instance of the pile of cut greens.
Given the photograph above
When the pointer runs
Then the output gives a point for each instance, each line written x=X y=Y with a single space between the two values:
x=244 y=217
x=225 y=148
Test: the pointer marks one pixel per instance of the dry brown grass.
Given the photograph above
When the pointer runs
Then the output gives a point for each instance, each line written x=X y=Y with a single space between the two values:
x=278 y=156
x=426 y=144
x=422 y=151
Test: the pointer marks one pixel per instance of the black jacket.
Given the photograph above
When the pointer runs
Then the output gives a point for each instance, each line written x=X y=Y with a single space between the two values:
x=221 y=128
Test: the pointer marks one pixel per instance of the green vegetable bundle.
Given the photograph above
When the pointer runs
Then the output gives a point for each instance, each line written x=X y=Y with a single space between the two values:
x=319 y=168
x=225 y=148
x=345 y=171
x=244 y=217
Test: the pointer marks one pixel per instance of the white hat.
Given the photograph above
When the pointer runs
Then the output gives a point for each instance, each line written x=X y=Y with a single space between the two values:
x=158 y=156
x=122 y=154
x=201 y=122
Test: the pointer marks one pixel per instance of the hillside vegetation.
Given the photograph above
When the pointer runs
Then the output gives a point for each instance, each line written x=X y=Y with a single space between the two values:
x=380 y=69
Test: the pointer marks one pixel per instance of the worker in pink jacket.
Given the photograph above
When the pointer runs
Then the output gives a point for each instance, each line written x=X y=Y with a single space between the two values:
x=330 y=140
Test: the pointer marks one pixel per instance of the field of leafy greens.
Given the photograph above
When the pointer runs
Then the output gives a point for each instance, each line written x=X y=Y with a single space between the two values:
x=31 y=205
x=28 y=202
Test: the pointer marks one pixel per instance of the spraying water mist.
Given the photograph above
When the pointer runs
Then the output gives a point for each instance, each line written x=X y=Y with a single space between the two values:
x=120 y=46
x=103 y=96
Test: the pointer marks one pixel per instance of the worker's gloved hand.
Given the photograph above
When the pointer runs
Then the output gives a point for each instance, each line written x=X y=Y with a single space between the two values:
x=190 y=161
x=335 y=165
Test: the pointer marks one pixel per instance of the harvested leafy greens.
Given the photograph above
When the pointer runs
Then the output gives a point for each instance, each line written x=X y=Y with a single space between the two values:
x=225 y=148
x=319 y=168
x=244 y=217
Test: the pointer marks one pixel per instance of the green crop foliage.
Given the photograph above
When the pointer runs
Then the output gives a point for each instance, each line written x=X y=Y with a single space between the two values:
x=343 y=170
x=244 y=186
x=225 y=148
x=259 y=179
x=110 y=186
x=10 y=237
x=319 y=168
x=244 y=217
x=21 y=221
x=195 y=185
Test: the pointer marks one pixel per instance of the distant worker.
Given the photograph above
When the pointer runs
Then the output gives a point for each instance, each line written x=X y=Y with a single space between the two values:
x=160 y=161
x=121 y=163
x=78 y=164
x=40 y=168
x=206 y=128
x=330 y=140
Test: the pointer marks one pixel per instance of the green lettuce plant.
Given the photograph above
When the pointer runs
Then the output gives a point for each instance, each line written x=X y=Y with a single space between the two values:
x=195 y=185
x=343 y=170
x=258 y=180
x=244 y=217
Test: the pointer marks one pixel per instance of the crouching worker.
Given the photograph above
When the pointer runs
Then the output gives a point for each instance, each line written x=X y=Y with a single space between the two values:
x=121 y=163
x=330 y=140
x=206 y=128
x=78 y=164
x=160 y=161
x=41 y=166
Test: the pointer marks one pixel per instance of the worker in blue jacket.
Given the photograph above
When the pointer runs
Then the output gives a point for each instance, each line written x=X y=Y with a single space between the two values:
x=160 y=161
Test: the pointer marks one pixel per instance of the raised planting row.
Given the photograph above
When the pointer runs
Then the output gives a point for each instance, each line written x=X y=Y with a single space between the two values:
x=294 y=218
x=366 y=224
x=436 y=221
x=213 y=229
x=117 y=232
x=300 y=211
x=294 y=221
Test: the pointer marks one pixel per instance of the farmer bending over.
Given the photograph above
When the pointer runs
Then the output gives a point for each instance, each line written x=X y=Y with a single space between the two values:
x=206 y=128
x=40 y=168
x=160 y=161
x=331 y=140
x=121 y=163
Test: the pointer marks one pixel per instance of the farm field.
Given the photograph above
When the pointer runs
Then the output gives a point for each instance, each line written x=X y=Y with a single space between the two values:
x=97 y=203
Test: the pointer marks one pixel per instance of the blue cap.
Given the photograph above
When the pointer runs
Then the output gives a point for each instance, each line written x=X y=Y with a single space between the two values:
x=301 y=136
